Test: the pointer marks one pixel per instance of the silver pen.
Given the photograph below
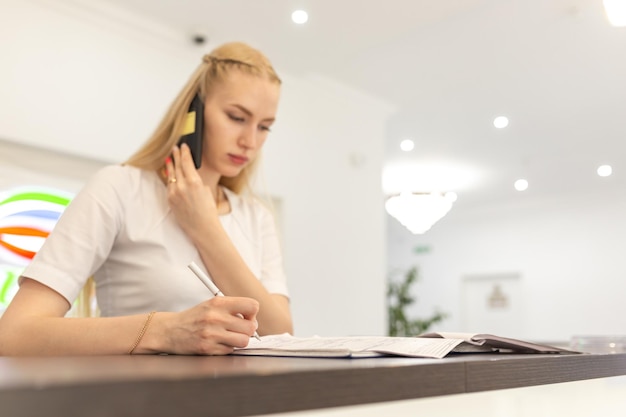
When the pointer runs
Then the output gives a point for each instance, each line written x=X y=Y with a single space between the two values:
x=210 y=285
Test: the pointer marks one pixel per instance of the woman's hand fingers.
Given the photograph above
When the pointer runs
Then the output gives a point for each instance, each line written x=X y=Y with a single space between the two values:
x=242 y=312
x=184 y=167
x=186 y=177
x=191 y=201
x=178 y=172
x=169 y=169
x=187 y=165
x=214 y=327
x=244 y=307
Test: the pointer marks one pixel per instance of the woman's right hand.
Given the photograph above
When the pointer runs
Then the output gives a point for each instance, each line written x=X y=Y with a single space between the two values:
x=213 y=327
x=191 y=201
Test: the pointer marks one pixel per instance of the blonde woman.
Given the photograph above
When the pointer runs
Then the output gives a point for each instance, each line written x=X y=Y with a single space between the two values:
x=135 y=227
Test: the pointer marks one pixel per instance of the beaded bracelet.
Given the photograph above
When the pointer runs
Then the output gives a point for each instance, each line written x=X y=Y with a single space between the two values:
x=142 y=332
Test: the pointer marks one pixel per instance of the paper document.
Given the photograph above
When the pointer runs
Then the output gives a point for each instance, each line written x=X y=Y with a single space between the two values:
x=353 y=346
x=429 y=345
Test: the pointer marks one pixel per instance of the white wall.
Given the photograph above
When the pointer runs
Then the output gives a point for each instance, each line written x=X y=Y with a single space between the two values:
x=92 y=81
x=328 y=158
x=568 y=251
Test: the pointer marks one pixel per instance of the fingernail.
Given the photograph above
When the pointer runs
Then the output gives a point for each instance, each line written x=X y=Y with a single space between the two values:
x=168 y=159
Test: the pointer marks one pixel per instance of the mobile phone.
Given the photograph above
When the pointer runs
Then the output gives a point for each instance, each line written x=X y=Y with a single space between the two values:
x=192 y=130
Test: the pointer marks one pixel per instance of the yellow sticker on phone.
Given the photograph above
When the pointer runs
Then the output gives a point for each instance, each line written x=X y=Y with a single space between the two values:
x=189 y=126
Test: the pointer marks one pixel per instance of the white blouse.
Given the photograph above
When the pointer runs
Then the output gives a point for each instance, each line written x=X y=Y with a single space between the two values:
x=120 y=230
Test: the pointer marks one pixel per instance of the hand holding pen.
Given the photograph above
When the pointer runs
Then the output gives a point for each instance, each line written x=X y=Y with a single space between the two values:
x=211 y=286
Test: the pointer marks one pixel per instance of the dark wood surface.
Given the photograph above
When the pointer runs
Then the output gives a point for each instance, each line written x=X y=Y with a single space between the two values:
x=239 y=386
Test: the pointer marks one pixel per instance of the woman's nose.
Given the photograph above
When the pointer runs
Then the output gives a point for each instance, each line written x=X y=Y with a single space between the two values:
x=248 y=138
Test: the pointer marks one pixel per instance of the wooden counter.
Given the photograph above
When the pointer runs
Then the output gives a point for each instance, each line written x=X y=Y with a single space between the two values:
x=239 y=386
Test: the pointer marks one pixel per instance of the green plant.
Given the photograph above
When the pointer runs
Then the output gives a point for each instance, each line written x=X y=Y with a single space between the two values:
x=399 y=298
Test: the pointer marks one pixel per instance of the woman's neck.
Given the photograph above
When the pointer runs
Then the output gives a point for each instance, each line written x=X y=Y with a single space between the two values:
x=211 y=179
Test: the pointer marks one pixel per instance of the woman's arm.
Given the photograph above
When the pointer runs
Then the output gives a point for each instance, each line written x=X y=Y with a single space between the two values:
x=34 y=324
x=232 y=276
x=193 y=204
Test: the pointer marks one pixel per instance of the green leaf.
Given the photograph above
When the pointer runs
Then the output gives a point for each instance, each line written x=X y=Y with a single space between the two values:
x=399 y=298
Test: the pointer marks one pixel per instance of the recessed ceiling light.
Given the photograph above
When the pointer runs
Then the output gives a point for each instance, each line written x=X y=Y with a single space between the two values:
x=299 y=17
x=605 y=170
x=501 y=122
x=521 y=185
x=451 y=195
x=616 y=12
x=407 y=145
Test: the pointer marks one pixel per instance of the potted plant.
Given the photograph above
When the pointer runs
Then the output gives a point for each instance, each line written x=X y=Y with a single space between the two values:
x=399 y=298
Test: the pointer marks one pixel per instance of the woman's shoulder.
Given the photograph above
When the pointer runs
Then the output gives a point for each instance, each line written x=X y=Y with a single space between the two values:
x=118 y=182
x=122 y=175
x=121 y=172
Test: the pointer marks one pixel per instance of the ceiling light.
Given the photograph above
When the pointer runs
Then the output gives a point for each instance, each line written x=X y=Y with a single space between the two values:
x=451 y=196
x=616 y=12
x=418 y=212
x=605 y=170
x=407 y=145
x=521 y=185
x=433 y=175
x=501 y=122
x=299 y=17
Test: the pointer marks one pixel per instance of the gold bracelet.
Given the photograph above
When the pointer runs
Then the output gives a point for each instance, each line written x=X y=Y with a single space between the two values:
x=142 y=332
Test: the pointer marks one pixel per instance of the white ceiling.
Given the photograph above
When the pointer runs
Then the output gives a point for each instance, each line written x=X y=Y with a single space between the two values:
x=556 y=68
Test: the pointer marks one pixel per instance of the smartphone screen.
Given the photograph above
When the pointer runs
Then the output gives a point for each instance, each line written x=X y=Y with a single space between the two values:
x=192 y=130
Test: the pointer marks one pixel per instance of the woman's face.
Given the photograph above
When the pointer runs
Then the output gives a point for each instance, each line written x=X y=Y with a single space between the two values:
x=238 y=114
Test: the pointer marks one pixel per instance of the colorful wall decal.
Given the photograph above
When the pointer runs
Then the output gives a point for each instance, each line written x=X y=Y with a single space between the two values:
x=27 y=216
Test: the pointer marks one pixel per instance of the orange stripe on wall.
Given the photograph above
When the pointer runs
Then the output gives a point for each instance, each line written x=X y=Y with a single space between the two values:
x=22 y=252
x=23 y=231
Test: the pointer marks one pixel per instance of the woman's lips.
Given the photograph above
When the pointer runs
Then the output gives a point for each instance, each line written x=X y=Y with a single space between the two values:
x=238 y=159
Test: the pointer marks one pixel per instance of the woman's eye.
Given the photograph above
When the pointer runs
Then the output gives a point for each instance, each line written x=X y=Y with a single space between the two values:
x=236 y=118
x=265 y=128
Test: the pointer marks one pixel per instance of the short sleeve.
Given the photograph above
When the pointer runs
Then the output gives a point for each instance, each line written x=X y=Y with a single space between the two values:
x=82 y=238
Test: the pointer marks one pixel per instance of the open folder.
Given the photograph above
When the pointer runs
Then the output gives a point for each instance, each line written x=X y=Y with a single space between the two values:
x=430 y=345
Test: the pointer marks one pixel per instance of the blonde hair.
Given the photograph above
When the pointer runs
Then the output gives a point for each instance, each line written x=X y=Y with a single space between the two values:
x=215 y=67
